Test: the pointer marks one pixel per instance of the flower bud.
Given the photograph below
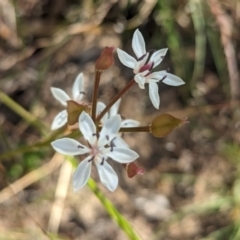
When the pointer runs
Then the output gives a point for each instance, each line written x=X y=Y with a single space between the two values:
x=132 y=169
x=105 y=60
x=165 y=123
x=74 y=109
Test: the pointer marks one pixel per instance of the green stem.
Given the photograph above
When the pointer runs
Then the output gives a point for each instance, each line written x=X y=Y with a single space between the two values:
x=95 y=94
x=118 y=96
x=135 y=129
x=28 y=117
x=113 y=212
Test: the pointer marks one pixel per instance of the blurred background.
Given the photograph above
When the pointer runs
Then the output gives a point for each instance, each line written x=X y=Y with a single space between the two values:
x=191 y=185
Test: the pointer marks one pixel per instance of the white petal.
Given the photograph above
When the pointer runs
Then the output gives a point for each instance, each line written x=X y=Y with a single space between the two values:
x=140 y=79
x=82 y=174
x=107 y=176
x=119 y=142
x=60 y=120
x=78 y=87
x=138 y=44
x=60 y=95
x=130 y=123
x=126 y=59
x=100 y=107
x=110 y=129
x=153 y=94
x=157 y=76
x=158 y=56
x=87 y=127
x=114 y=109
x=122 y=155
x=68 y=146
x=173 y=80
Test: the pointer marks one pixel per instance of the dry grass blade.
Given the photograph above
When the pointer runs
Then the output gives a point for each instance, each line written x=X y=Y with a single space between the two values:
x=31 y=178
x=60 y=196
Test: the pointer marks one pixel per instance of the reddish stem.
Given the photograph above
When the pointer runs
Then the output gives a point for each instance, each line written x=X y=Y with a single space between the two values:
x=118 y=96
x=95 y=94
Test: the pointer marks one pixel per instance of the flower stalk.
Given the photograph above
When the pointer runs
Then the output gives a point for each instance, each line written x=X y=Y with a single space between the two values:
x=95 y=94
x=115 y=99
x=135 y=129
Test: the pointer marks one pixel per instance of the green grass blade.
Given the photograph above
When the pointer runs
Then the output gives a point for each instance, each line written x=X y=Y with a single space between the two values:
x=113 y=212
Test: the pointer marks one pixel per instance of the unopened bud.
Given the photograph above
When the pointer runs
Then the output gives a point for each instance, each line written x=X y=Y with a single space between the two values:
x=132 y=169
x=165 y=123
x=74 y=109
x=105 y=60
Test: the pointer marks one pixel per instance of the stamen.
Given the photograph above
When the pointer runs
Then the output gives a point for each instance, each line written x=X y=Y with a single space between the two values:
x=147 y=67
x=90 y=160
x=111 y=146
x=162 y=78
x=168 y=70
x=102 y=161
x=107 y=137
x=96 y=134
x=84 y=93
x=151 y=66
x=80 y=146
x=151 y=50
x=142 y=57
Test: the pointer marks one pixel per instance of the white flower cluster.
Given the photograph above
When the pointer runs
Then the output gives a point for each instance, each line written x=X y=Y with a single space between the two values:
x=108 y=143
x=100 y=147
x=143 y=68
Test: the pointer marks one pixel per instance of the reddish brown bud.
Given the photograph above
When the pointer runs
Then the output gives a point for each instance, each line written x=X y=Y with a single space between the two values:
x=105 y=60
x=133 y=170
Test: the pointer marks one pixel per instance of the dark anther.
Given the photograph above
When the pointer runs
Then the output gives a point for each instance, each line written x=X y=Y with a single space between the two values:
x=96 y=134
x=163 y=78
x=102 y=162
x=83 y=93
x=168 y=70
x=107 y=137
x=152 y=50
x=90 y=160
x=162 y=57
x=80 y=146
x=111 y=145
x=142 y=57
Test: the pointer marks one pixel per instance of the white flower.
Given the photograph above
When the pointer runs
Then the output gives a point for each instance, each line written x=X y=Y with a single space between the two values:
x=77 y=95
x=118 y=141
x=143 y=68
x=99 y=148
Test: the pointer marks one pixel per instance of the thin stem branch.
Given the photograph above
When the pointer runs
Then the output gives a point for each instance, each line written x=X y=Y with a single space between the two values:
x=135 y=129
x=95 y=94
x=118 y=96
